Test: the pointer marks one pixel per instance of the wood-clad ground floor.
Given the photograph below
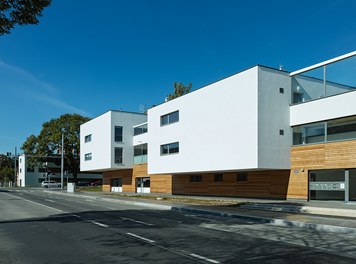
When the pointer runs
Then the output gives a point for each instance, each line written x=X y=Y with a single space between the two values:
x=324 y=171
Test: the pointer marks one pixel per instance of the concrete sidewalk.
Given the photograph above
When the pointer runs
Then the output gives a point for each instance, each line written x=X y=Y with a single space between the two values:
x=323 y=216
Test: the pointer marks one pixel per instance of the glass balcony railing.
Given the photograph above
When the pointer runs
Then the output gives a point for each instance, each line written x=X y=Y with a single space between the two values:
x=334 y=78
x=140 y=159
x=141 y=129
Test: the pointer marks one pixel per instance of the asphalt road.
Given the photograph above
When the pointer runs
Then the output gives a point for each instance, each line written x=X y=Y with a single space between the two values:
x=37 y=226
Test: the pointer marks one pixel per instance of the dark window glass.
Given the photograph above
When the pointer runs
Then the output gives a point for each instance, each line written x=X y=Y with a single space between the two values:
x=140 y=130
x=88 y=138
x=218 y=177
x=281 y=90
x=281 y=132
x=88 y=156
x=118 y=155
x=118 y=133
x=196 y=178
x=140 y=150
x=170 y=148
x=170 y=118
x=242 y=176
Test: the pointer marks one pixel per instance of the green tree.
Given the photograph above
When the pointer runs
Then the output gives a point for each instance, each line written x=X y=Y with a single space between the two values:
x=179 y=90
x=49 y=141
x=6 y=168
x=20 y=12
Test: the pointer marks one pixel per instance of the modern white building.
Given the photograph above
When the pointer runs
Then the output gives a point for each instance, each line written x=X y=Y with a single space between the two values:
x=262 y=132
x=33 y=175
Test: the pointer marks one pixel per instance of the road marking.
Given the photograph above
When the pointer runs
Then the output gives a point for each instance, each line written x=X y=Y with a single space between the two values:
x=136 y=221
x=140 y=237
x=49 y=200
x=204 y=258
x=77 y=216
x=35 y=203
x=97 y=223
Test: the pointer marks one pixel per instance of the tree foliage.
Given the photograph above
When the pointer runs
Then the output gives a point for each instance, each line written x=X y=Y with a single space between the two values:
x=6 y=168
x=49 y=141
x=20 y=12
x=179 y=90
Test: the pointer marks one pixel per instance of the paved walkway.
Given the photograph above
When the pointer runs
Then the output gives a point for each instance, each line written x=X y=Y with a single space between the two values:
x=324 y=216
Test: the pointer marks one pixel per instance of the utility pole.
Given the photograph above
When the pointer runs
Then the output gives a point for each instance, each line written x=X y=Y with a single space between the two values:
x=15 y=168
x=62 y=161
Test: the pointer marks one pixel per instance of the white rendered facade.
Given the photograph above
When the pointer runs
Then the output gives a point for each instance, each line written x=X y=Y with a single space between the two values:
x=233 y=124
x=98 y=153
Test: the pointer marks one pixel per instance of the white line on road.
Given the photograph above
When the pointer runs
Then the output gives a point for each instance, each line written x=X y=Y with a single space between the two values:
x=136 y=221
x=49 y=200
x=204 y=258
x=140 y=237
x=97 y=223
x=35 y=203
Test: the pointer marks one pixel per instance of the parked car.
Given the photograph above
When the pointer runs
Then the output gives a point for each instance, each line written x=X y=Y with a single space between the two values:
x=49 y=184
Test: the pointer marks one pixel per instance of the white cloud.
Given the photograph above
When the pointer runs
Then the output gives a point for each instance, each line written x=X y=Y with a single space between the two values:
x=27 y=85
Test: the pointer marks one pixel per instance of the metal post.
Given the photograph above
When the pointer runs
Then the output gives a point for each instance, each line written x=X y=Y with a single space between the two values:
x=15 y=168
x=347 y=184
x=324 y=81
x=62 y=162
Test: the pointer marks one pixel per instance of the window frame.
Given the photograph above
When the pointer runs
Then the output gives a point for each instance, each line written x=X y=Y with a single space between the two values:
x=87 y=138
x=242 y=177
x=88 y=156
x=218 y=177
x=117 y=161
x=169 y=147
x=169 y=117
x=122 y=134
x=196 y=178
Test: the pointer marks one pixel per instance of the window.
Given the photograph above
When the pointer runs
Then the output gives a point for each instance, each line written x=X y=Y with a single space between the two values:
x=170 y=148
x=281 y=90
x=87 y=138
x=242 y=176
x=118 y=133
x=218 y=177
x=281 y=132
x=88 y=156
x=140 y=129
x=118 y=155
x=195 y=178
x=170 y=118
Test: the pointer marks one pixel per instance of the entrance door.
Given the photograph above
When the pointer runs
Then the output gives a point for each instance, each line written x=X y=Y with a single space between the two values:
x=116 y=185
x=143 y=185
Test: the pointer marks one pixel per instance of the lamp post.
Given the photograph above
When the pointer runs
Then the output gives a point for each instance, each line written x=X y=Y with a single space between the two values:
x=62 y=161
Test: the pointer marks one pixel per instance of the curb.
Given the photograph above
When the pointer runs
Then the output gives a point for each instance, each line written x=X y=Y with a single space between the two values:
x=272 y=221
x=262 y=220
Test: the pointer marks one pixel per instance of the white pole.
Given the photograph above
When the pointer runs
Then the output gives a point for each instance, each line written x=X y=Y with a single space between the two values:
x=62 y=162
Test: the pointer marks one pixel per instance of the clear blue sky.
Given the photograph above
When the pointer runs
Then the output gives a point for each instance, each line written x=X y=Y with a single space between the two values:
x=89 y=56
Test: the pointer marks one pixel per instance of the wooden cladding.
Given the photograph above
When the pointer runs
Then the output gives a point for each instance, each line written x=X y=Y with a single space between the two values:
x=332 y=155
x=266 y=184
x=159 y=183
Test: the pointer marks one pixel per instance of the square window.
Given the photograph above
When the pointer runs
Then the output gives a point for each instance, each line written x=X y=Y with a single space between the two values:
x=196 y=178
x=218 y=177
x=281 y=132
x=281 y=90
x=242 y=176
x=87 y=138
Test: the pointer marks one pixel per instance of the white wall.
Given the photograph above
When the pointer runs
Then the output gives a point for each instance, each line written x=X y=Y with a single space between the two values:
x=336 y=106
x=22 y=170
x=217 y=128
x=102 y=145
x=273 y=112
